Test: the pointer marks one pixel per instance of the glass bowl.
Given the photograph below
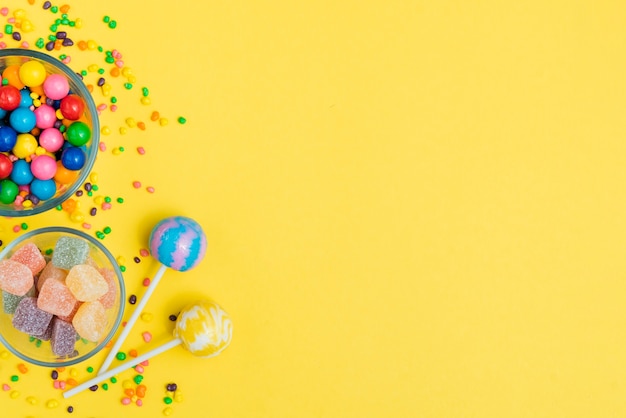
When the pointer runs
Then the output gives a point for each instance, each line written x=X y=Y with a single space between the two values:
x=37 y=350
x=68 y=180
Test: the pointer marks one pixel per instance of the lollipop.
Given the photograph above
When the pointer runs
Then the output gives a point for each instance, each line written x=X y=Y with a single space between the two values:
x=203 y=328
x=178 y=243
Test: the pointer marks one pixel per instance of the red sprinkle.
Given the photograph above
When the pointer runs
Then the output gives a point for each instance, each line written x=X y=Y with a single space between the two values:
x=146 y=282
x=150 y=189
x=144 y=253
x=102 y=146
x=141 y=150
x=136 y=184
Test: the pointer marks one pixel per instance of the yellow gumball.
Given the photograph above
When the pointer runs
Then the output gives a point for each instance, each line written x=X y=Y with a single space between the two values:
x=25 y=146
x=32 y=73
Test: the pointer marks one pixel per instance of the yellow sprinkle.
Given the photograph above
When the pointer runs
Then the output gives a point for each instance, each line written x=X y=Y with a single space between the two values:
x=91 y=44
x=93 y=177
x=14 y=394
x=121 y=261
x=27 y=26
x=146 y=316
x=168 y=411
x=123 y=130
x=78 y=23
x=79 y=204
x=163 y=121
x=32 y=400
x=4 y=354
x=106 y=89
x=145 y=101
x=34 y=96
x=132 y=79
x=93 y=67
x=27 y=203
x=98 y=200
x=73 y=372
x=105 y=130
x=131 y=122
x=52 y=403
x=178 y=397
x=127 y=384
x=134 y=398
x=59 y=114
x=40 y=151
x=19 y=13
x=36 y=102
x=77 y=216
x=126 y=71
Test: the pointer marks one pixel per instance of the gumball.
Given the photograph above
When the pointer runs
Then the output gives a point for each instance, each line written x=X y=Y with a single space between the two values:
x=25 y=146
x=43 y=167
x=56 y=86
x=51 y=139
x=43 y=189
x=178 y=242
x=78 y=134
x=8 y=191
x=72 y=107
x=23 y=119
x=26 y=100
x=10 y=97
x=63 y=175
x=32 y=73
x=45 y=116
x=21 y=173
x=11 y=74
x=5 y=166
x=73 y=158
x=8 y=137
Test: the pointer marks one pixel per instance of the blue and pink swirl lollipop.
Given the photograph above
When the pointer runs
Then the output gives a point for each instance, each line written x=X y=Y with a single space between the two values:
x=178 y=243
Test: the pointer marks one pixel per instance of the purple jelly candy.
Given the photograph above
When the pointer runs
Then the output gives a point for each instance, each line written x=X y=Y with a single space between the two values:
x=47 y=334
x=63 y=337
x=29 y=318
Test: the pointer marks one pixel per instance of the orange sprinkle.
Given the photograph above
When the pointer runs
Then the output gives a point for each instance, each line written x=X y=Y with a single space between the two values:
x=130 y=392
x=141 y=391
x=90 y=88
x=65 y=8
x=22 y=368
x=69 y=205
x=58 y=44
x=71 y=381
x=60 y=369
x=115 y=72
x=35 y=131
x=133 y=353
x=155 y=116
x=31 y=2
x=141 y=126
x=82 y=45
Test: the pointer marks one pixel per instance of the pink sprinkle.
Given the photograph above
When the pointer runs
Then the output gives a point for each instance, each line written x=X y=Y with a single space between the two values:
x=6 y=387
x=116 y=54
x=101 y=107
x=144 y=253
x=23 y=188
x=62 y=385
x=17 y=228
x=113 y=108
x=106 y=206
x=119 y=63
x=56 y=384
x=67 y=60
x=125 y=401
x=139 y=402
x=86 y=225
x=25 y=44
x=141 y=150
x=147 y=337
x=4 y=11
x=146 y=282
x=136 y=184
x=139 y=368
x=150 y=189
x=19 y=199
x=1 y=35
x=102 y=146
x=3 y=45
x=145 y=363
x=12 y=157
x=123 y=323
x=11 y=20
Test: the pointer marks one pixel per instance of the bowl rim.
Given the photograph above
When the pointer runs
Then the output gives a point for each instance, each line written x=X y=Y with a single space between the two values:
x=118 y=274
x=95 y=134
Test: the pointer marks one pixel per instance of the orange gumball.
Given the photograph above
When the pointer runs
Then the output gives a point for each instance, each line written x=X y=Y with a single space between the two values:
x=11 y=73
x=65 y=176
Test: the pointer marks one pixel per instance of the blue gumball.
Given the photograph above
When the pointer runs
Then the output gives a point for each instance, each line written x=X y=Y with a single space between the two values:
x=8 y=137
x=73 y=158
x=3 y=113
x=43 y=189
x=22 y=119
x=26 y=100
x=21 y=174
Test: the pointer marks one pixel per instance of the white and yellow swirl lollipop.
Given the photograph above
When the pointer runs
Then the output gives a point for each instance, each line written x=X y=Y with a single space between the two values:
x=203 y=328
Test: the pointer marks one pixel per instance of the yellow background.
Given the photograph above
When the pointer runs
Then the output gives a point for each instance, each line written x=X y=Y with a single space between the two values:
x=413 y=208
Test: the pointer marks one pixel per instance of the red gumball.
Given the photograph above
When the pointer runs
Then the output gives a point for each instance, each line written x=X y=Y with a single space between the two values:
x=72 y=107
x=6 y=166
x=9 y=97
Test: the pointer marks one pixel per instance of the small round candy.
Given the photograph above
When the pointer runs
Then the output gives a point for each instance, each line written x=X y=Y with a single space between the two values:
x=43 y=167
x=43 y=189
x=10 y=97
x=78 y=134
x=23 y=119
x=25 y=145
x=21 y=173
x=5 y=166
x=204 y=328
x=65 y=176
x=11 y=74
x=26 y=100
x=51 y=139
x=45 y=116
x=72 y=107
x=8 y=137
x=32 y=73
x=73 y=158
x=56 y=86
x=8 y=191
x=178 y=243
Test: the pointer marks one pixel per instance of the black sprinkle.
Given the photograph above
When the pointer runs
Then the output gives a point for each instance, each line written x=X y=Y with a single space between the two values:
x=171 y=387
x=17 y=36
x=173 y=317
x=132 y=299
x=79 y=193
x=54 y=375
x=101 y=81
x=70 y=409
x=47 y=5
x=137 y=260
x=93 y=388
x=93 y=211
x=50 y=46
x=68 y=42
x=61 y=35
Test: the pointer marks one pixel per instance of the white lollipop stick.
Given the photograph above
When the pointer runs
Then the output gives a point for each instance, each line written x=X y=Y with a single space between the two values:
x=160 y=349
x=138 y=309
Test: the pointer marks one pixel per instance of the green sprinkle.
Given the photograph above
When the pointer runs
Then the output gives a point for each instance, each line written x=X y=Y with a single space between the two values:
x=38 y=343
x=110 y=60
x=72 y=23
x=113 y=380
x=100 y=235
x=113 y=99
x=24 y=226
x=54 y=9
x=100 y=71
x=112 y=24
x=138 y=378
x=121 y=149
x=64 y=16
x=15 y=378
x=145 y=91
x=128 y=86
x=122 y=269
x=52 y=38
x=94 y=187
x=49 y=250
x=182 y=120
x=106 y=19
x=53 y=28
x=65 y=22
x=120 y=200
x=84 y=73
x=105 y=386
x=107 y=199
x=31 y=338
x=90 y=193
x=89 y=369
x=100 y=49
x=5 y=81
x=59 y=207
x=57 y=22
x=167 y=400
x=8 y=29
x=109 y=53
x=62 y=128
x=84 y=340
x=107 y=230
x=120 y=356
x=62 y=56
x=40 y=43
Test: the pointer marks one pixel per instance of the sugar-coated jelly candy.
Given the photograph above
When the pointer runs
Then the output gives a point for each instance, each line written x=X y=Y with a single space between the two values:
x=29 y=318
x=10 y=301
x=47 y=334
x=31 y=257
x=55 y=297
x=50 y=272
x=108 y=299
x=69 y=251
x=90 y=321
x=68 y=318
x=63 y=337
x=15 y=277
x=86 y=283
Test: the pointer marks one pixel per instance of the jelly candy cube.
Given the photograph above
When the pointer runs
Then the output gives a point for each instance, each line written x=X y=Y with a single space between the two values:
x=30 y=256
x=10 y=301
x=50 y=271
x=86 y=283
x=47 y=333
x=63 y=337
x=108 y=300
x=90 y=321
x=55 y=297
x=29 y=318
x=70 y=316
x=69 y=251
x=15 y=277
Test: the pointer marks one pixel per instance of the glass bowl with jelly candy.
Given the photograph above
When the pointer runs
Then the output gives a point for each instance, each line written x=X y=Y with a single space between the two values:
x=62 y=296
x=49 y=132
